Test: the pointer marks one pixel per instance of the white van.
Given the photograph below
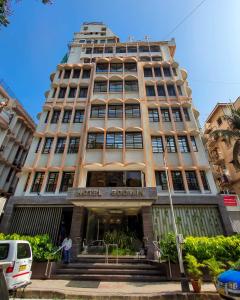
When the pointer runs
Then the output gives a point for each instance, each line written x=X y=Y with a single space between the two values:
x=19 y=254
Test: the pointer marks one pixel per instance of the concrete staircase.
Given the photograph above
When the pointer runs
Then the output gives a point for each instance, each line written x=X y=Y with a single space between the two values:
x=127 y=269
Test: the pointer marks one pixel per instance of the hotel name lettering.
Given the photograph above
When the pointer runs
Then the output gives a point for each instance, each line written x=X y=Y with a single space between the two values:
x=114 y=193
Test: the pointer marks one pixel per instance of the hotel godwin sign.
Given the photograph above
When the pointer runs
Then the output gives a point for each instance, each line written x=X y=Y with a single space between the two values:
x=110 y=193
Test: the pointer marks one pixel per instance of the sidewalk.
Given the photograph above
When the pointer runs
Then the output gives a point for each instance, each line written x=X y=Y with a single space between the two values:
x=64 y=289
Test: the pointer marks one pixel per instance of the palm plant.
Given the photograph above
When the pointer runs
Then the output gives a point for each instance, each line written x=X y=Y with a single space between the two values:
x=233 y=133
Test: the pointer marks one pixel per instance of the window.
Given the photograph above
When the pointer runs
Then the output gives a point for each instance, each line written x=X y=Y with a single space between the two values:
x=131 y=86
x=161 y=180
x=98 y=111
x=60 y=74
x=37 y=182
x=174 y=71
x=86 y=60
x=38 y=145
x=166 y=72
x=120 y=50
x=60 y=146
x=81 y=41
x=89 y=42
x=171 y=145
x=165 y=115
x=85 y=28
x=153 y=115
x=110 y=41
x=115 y=86
x=132 y=110
x=108 y=50
x=76 y=73
x=102 y=41
x=47 y=116
x=144 y=58
x=67 y=116
x=171 y=90
x=157 y=144
x=186 y=114
x=86 y=73
x=83 y=91
x=52 y=182
x=179 y=88
x=194 y=144
x=114 y=140
x=150 y=91
x=79 y=115
x=132 y=49
x=67 y=74
x=148 y=72
x=157 y=72
x=4 y=250
x=115 y=111
x=47 y=146
x=219 y=121
x=95 y=140
x=54 y=93
x=177 y=181
x=156 y=58
x=9 y=174
x=100 y=86
x=130 y=67
x=192 y=180
x=102 y=68
x=23 y=251
x=116 y=67
x=177 y=117
x=55 y=116
x=88 y=50
x=98 y=50
x=143 y=49
x=161 y=90
x=183 y=144
x=73 y=145
x=67 y=181
x=134 y=140
x=154 y=48
x=72 y=92
x=204 y=181
x=62 y=92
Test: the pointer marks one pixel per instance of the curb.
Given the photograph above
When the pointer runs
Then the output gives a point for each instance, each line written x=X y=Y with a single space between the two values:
x=40 y=294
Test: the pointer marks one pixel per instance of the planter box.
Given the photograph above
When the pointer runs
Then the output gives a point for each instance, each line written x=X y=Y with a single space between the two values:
x=39 y=269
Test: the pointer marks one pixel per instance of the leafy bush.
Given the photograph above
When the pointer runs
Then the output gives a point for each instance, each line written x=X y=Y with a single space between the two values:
x=42 y=246
x=215 y=267
x=194 y=267
x=222 y=248
x=125 y=240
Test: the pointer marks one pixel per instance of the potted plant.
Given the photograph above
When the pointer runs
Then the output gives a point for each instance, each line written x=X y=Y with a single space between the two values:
x=195 y=272
x=214 y=267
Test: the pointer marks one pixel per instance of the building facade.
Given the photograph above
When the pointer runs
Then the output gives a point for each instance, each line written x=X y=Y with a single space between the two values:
x=16 y=133
x=118 y=116
x=220 y=154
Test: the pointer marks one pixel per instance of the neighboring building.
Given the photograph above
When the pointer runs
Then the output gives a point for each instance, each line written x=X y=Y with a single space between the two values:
x=111 y=109
x=16 y=133
x=220 y=155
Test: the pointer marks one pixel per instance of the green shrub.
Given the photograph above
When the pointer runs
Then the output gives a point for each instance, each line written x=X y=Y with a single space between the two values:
x=215 y=267
x=222 y=248
x=193 y=267
x=42 y=246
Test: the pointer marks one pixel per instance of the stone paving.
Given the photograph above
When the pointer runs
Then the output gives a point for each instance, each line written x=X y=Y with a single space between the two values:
x=104 y=290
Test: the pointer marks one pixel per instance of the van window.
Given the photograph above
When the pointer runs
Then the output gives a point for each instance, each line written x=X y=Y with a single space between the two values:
x=4 y=248
x=23 y=250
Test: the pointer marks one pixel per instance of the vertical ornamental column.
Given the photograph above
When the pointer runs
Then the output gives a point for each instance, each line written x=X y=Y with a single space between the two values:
x=148 y=231
x=76 y=232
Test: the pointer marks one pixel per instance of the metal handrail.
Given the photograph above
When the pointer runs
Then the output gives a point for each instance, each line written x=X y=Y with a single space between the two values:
x=155 y=244
x=48 y=270
x=107 y=253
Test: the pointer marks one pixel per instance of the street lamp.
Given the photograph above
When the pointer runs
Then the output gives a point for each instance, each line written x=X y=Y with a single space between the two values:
x=179 y=237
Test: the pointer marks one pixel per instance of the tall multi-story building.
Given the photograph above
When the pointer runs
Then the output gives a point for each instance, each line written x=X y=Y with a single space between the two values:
x=117 y=117
x=16 y=133
x=220 y=153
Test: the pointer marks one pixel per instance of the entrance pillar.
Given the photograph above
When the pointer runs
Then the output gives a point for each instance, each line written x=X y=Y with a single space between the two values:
x=148 y=231
x=77 y=227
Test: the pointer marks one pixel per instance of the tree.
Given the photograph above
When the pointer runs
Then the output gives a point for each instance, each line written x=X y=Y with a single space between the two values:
x=233 y=133
x=5 y=10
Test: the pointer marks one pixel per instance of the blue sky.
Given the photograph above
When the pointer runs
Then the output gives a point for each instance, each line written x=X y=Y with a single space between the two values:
x=208 y=43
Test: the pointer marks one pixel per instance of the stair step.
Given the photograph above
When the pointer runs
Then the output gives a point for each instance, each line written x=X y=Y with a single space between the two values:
x=108 y=266
x=109 y=271
x=112 y=277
